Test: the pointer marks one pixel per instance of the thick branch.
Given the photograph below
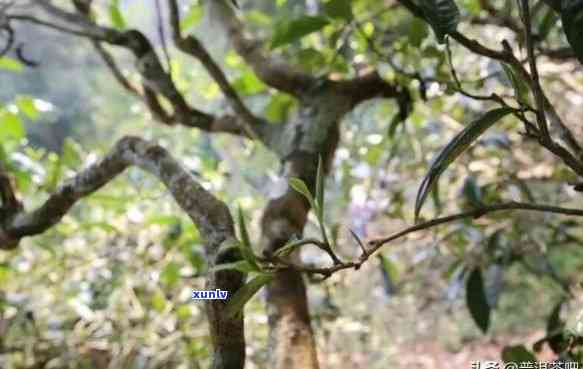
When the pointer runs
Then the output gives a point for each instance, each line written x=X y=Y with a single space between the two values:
x=193 y=47
x=156 y=81
x=272 y=70
x=366 y=87
x=210 y=215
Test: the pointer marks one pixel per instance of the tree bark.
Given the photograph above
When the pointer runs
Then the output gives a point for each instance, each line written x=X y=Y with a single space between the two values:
x=208 y=213
x=313 y=134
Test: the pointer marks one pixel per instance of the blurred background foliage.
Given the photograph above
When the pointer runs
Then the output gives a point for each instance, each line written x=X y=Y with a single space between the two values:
x=109 y=287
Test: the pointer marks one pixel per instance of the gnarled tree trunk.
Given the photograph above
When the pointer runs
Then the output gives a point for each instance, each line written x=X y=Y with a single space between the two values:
x=313 y=134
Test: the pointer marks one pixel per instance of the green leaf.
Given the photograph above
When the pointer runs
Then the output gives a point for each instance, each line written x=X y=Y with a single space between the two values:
x=192 y=17
x=436 y=199
x=547 y=23
x=289 y=31
x=289 y=248
x=163 y=220
x=473 y=7
x=339 y=9
x=245 y=245
x=300 y=186
x=55 y=173
x=71 y=153
x=395 y=123
x=494 y=242
x=10 y=64
x=183 y=312
x=27 y=106
x=389 y=267
x=572 y=18
x=248 y=84
x=454 y=149
x=520 y=86
x=554 y=322
x=319 y=209
x=417 y=31
x=320 y=181
x=242 y=266
x=5 y=271
x=197 y=260
x=259 y=18
x=101 y=225
x=170 y=274
x=279 y=107
x=115 y=15
x=228 y=247
x=472 y=192
x=442 y=15
x=477 y=301
x=10 y=126
x=245 y=293
x=554 y=330
x=158 y=301
x=310 y=59
x=518 y=354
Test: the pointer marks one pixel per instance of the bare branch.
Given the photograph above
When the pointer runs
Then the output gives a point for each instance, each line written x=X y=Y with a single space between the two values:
x=115 y=70
x=376 y=244
x=564 y=53
x=162 y=36
x=210 y=215
x=504 y=20
x=54 y=26
x=156 y=81
x=206 y=211
x=492 y=97
x=193 y=47
x=474 y=214
x=10 y=203
x=272 y=70
x=536 y=87
x=367 y=86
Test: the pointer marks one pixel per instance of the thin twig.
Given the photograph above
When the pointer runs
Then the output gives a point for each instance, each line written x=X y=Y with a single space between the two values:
x=10 y=202
x=475 y=213
x=536 y=86
x=162 y=36
x=193 y=47
x=492 y=97
x=376 y=244
x=56 y=27
x=115 y=70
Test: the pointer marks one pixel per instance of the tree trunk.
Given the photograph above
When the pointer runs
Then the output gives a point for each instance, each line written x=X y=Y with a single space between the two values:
x=313 y=134
x=291 y=340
